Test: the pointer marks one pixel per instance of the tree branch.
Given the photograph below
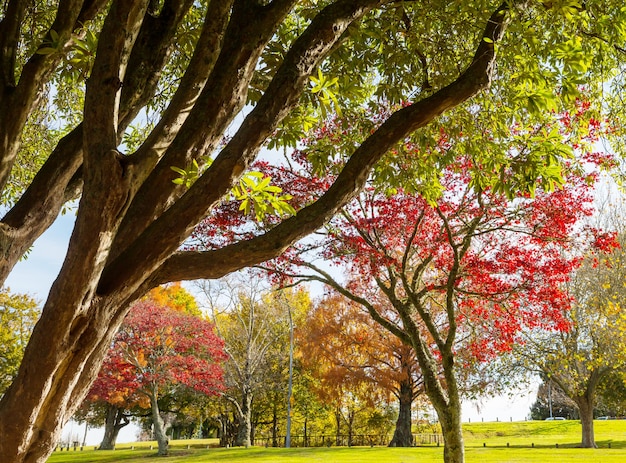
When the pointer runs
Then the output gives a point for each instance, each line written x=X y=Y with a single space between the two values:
x=173 y=226
x=9 y=40
x=217 y=263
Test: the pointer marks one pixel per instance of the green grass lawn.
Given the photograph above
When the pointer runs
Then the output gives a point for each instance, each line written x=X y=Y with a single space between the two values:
x=527 y=442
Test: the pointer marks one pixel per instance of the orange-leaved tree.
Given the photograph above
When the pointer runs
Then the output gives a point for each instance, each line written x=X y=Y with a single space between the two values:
x=344 y=346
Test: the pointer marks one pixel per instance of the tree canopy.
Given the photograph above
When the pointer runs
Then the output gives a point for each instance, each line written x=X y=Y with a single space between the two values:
x=151 y=113
x=159 y=349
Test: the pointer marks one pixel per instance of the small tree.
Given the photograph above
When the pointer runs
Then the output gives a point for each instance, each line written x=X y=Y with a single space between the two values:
x=253 y=322
x=156 y=350
x=578 y=359
x=552 y=401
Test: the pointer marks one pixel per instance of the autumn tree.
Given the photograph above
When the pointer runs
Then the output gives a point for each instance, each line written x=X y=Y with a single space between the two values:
x=175 y=297
x=151 y=112
x=578 y=359
x=464 y=274
x=18 y=315
x=157 y=350
x=341 y=335
x=114 y=409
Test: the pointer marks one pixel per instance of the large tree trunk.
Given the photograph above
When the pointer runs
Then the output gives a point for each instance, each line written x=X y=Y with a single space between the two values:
x=52 y=381
x=159 y=426
x=115 y=420
x=585 y=408
x=402 y=435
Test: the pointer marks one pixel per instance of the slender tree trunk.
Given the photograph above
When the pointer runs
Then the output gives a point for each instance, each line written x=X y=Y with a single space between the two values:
x=338 y=422
x=402 y=436
x=351 y=415
x=447 y=402
x=306 y=430
x=159 y=427
x=114 y=422
x=274 y=426
x=585 y=408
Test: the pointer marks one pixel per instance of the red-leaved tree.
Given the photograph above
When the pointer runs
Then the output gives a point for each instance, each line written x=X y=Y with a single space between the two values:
x=464 y=275
x=159 y=349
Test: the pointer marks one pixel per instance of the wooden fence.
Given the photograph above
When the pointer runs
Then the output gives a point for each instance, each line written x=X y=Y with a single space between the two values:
x=344 y=440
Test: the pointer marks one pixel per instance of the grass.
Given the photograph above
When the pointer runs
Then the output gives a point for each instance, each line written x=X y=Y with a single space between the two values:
x=520 y=442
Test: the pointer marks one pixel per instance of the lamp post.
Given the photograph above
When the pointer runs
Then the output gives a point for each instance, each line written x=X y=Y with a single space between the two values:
x=290 y=383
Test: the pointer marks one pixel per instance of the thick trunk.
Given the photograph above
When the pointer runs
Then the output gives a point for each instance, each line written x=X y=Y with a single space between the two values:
x=52 y=382
x=114 y=422
x=402 y=436
x=159 y=427
x=245 y=425
x=585 y=408
x=89 y=298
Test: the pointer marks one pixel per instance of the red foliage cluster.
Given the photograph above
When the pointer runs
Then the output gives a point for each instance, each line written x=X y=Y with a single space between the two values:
x=158 y=347
x=511 y=275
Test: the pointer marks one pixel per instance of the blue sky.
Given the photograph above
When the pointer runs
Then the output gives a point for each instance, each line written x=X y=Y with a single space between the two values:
x=35 y=275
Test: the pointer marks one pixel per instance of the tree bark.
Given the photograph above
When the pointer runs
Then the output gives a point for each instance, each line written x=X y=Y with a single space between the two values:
x=450 y=419
x=245 y=425
x=159 y=427
x=115 y=420
x=402 y=435
x=586 y=405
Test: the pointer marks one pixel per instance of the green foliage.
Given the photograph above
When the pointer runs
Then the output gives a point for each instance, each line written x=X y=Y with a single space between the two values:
x=324 y=88
x=257 y=194
x=18 y=315
x=187 y=176
x=254 y=190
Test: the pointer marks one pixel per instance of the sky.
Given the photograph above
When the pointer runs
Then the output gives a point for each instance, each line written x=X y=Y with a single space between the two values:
x=35 y=275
